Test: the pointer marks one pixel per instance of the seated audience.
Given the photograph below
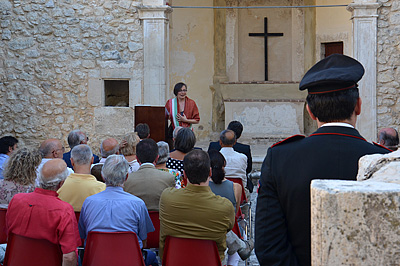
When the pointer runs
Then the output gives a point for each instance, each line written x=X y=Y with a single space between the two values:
x=236 y=127
x=219 y=184
x=389 y=138
x=81 y=184
x=50 y=149
x=108 y=147
x=184 y=143
x=8 y=145
x=128 y=149
x=163 y=155
x=19 y=174
x=236 y=163
x=76 y=137
x=143 y=131
x=114 y=210
x=50 y=218
x=196 y=212
x=148 y=183
x=224 y=188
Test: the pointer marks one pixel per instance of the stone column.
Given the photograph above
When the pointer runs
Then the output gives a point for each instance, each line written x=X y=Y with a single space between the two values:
x=219 y=65
x=365 y=50
x=153 y=13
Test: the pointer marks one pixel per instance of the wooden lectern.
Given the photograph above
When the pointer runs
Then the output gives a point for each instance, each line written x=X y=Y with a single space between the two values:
x=154 y=116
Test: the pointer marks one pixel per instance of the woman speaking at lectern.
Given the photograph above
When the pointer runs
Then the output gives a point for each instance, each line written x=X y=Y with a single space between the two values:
x=181 y=110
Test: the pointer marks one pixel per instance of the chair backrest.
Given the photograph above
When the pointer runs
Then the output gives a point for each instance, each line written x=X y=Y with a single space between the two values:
x=77 y=215
x=240 y=182
x=153 y=238
x=3 y=234
x=236 y=229
x=112 y=248
x=33 y=252
x=188 y=251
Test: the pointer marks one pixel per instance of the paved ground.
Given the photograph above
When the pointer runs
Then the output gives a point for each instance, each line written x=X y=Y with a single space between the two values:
x=252 y=261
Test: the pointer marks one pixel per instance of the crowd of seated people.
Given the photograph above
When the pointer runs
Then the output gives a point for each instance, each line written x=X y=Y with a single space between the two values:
x=88 y=183
x=62 y=196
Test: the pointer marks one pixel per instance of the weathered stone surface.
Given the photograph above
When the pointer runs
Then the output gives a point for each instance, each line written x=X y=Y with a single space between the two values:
x=388 y=62
x=380 y=167
x=120 y=118
x=355 y=223
x=49 y=50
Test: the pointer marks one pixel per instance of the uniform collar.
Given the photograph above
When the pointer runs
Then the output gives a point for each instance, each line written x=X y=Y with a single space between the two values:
x=337 y=124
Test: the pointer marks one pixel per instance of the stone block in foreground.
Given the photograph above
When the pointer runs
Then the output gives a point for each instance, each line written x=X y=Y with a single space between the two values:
x=355 y=223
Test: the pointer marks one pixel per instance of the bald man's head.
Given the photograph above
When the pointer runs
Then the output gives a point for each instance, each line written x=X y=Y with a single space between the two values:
x=109 y=147
x=51 y=148
x=389 y=138
x=52 y=174
x=227 y=138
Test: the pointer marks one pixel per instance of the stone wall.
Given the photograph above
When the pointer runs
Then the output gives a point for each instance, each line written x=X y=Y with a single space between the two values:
x=355 y=223
x=388 y=61
x=50 y=50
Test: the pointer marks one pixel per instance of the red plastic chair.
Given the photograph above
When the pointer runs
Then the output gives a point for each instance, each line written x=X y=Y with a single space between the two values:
x=33 y=252
x=77 y=215
x=112 y=248
x=190 y=252
x=3 y=234
x=153 y=238
x=240 y=182
x=244 y=202
x=236 y=229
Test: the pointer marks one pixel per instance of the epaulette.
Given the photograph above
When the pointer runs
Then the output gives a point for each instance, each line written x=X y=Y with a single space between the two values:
x=289 y=139
x=379 y=145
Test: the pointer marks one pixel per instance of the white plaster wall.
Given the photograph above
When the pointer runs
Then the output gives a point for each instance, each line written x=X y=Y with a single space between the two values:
x=192 y=57
x=333 y=25
x=251 y=49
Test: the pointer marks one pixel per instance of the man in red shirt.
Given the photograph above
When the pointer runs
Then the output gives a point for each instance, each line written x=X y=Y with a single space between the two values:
x=42 y=215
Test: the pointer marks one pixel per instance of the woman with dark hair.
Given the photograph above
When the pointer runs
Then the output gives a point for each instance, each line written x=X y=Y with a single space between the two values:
x=19 y=174
x=181 y=110
x=184 y=143
x=219 y=184
x=224 y=188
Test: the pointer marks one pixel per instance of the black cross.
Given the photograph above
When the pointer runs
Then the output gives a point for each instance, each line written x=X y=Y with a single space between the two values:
x=265 y=34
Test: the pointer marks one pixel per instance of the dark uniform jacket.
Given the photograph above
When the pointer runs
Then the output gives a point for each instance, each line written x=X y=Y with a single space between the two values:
x=282 y=231
x=238 y=147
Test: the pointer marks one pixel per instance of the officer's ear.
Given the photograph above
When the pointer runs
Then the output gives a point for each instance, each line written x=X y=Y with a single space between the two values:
x=313 y=117
x=357 y=109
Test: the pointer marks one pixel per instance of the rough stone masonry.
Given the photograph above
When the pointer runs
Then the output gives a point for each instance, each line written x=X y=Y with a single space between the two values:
x=49 y=51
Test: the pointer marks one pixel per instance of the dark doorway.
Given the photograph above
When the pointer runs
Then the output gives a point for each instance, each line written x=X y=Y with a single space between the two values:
x=332 y=48
x=116 y=93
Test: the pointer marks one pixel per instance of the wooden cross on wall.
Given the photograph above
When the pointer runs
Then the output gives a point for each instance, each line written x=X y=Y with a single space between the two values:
x=265 y=34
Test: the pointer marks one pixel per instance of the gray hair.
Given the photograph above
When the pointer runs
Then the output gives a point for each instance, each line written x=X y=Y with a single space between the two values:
x=225 y=140
x=75 y=137
x=82 y=154
x=105 y=153
x=52 y=184
x=175 y=132
x=114 y=170
x=163 y=152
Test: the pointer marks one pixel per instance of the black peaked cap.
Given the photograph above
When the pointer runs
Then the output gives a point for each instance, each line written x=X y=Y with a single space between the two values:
x=333 y=73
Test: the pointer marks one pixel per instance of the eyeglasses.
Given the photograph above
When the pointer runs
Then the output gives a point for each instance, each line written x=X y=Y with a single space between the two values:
x=183 y=91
